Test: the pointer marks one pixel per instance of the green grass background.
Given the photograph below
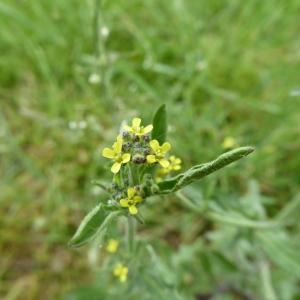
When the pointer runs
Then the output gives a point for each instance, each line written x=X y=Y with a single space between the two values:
x=223 y=68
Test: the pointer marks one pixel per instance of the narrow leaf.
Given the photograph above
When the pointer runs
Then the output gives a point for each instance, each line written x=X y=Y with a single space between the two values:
x=159 y=131
x=92 y=224
x=281 y=252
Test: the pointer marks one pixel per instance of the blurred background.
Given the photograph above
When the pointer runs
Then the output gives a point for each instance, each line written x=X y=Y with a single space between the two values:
x=72 y=71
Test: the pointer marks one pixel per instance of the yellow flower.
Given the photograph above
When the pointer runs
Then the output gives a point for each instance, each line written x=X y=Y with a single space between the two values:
x=159 y=153
x=116 y=154
x=136 y=127
x=174 y=165
x=112 y=246
x=121 y=271
x=131 y=201
x=228 y=142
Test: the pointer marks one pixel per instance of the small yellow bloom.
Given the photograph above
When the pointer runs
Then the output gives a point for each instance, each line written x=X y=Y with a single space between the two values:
x=116 y=155
x=131 y=201
x=136 y=127
x=121 y=271
x=174 y=165
x=159 y=153
x=228 y=142
x=112 y=246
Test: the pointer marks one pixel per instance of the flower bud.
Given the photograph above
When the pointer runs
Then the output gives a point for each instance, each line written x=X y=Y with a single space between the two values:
x=125 y=135
x=146 y=138
x=138 y=159
x=147 y=151
x=126 y=146
x=135 y=138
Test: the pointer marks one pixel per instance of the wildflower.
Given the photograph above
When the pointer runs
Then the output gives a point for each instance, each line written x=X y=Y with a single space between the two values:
x=94 y=78
x=121 y=271
x=131 y=201
x=72 y=125
x=116 y=154
x=228 y=142
x=82 y=124
x=112 y=246
x=137 y=129
x=175 y=165
x=104 y=31
x=159 y=153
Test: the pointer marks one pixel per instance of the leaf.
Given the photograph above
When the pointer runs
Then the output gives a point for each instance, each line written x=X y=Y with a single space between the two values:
x=159 y=131
x=290 y=213
x=281 y=252
x=202 y=170
x=93 y=223
x=237 y=219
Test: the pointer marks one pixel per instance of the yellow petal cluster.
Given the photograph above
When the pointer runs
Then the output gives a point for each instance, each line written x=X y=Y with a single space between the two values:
x=228 y=142
x=136 y=127
x=131 y=201
x=115 y=153
x=112 y=246
x=159 y=153
x=121 y=272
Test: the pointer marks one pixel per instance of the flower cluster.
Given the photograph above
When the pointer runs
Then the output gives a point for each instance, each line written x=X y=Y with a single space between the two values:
x=121 y=272
x=112 y=246
x=133 y=154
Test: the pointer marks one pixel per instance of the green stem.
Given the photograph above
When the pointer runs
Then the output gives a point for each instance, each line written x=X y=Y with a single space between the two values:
x=96 y=28
x=130 y=234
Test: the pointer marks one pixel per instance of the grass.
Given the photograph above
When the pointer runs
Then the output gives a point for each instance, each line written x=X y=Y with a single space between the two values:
x=224 y=68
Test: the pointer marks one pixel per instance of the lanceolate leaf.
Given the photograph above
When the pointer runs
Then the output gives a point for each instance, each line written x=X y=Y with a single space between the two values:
x=200 y=171
x=281 y=251
x=159 y=131
x=95 y=221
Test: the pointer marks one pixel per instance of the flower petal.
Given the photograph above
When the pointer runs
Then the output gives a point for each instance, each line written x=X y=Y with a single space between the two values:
x=147 y=129
x=154 y=144
x=151 y=159
x=164 y=162
x=136 y=122
x=165 y=147
x=127 y=128
x=137 y=199
x=130 y=192
x=117 y=146
x=133 y=210
x=108 y=153
x=124 y=202
x=115 y=167
x=125 y=158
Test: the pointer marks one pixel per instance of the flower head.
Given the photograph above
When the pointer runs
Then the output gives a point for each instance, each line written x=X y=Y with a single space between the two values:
x=112 y=246
x=175 y=165
x=131 y=201
x=121 y=271
x=137 y=129
x=228 y=142
x=116 y=155
x=159 y=153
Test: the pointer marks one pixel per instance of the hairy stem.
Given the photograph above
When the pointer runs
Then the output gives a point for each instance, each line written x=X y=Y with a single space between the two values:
x=130 y=233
